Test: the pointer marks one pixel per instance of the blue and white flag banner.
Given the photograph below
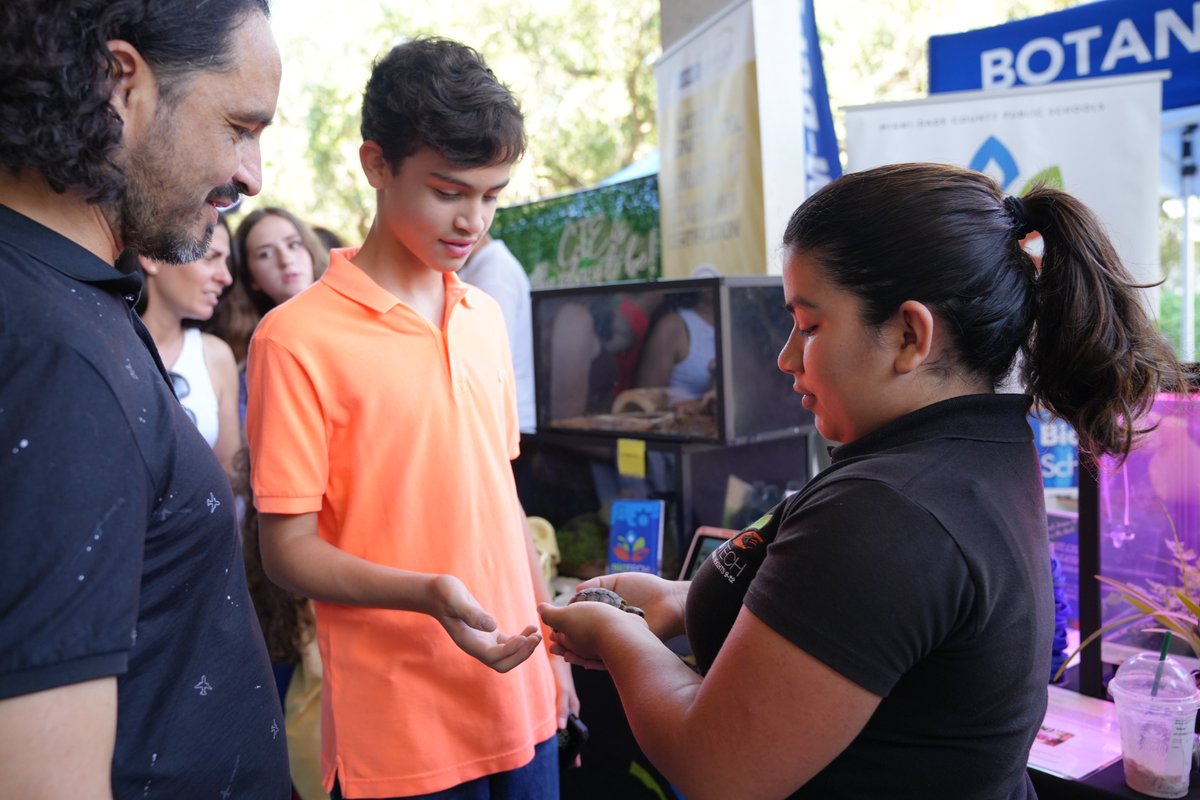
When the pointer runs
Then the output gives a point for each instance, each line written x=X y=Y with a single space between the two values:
x=821 y=163
x=1097 y=139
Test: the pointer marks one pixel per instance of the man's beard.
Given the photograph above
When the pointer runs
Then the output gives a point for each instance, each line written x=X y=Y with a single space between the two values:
x=164 y=235
x=149 y=214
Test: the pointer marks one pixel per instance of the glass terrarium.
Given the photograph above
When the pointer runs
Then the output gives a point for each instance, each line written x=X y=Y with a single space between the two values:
x=687 y=360
x=1149 y=533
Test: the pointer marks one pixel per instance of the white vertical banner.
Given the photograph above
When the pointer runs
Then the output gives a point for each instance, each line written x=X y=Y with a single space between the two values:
x=1097 y=139
x=745 y=135
x=710 y=180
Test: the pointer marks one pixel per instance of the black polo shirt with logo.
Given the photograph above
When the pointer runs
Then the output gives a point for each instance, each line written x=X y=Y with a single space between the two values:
x=918 y=567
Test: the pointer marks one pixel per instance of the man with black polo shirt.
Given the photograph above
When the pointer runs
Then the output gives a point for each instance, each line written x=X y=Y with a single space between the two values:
x=131 y=663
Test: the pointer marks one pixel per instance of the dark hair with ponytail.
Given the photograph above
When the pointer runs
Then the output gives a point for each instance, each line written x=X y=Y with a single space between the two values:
x=949 y=238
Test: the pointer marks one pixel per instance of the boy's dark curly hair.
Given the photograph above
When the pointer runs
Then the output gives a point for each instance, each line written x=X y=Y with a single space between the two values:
x=56 y=77
x=437 y=93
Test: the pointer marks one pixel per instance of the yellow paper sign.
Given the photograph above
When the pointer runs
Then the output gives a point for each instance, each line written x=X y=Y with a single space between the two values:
x=631 y=457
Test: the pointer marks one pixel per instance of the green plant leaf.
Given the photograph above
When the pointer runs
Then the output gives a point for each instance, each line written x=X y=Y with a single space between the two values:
x=1189 y=603
x=1051 y=176
x=1133 y=595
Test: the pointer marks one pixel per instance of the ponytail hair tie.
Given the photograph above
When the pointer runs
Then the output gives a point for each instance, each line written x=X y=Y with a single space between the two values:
x=1015 y=207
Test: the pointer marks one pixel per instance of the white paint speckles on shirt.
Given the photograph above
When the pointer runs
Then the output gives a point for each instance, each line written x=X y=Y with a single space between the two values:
x=98 y=531
x=164 y=512
x=146 y=788
x=21 y=445
x=97 y=535
x=129 y=368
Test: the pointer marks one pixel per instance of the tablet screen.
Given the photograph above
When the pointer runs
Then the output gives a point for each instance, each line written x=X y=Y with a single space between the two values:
x=706 y=539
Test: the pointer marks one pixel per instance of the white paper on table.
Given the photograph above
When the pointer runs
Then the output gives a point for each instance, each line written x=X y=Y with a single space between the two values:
x=1078 y=737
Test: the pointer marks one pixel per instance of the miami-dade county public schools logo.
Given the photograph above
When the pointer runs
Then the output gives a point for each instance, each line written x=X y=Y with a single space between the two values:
x=997 y=161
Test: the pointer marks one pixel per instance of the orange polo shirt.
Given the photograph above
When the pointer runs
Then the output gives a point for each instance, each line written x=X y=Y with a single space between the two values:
x=399 y=435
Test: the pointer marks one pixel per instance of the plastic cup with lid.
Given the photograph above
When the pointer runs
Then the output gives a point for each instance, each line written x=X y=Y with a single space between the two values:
x=1156 y=700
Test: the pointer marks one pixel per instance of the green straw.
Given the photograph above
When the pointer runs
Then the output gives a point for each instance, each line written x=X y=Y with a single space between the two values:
x=1162 y=656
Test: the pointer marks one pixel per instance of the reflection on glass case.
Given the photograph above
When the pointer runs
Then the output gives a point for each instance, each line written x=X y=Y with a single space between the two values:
x=690 y=360
x=1149 y=523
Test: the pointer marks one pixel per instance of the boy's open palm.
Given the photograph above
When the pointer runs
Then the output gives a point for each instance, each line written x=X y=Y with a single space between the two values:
x=474 y=630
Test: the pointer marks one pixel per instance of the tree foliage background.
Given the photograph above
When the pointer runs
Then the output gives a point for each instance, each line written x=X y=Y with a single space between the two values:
x=583 y=71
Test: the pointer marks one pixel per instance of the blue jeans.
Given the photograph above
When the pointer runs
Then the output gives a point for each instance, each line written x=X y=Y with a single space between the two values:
x=537 y=780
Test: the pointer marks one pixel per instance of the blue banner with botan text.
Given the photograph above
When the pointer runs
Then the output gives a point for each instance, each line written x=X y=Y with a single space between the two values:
x=1100 y=39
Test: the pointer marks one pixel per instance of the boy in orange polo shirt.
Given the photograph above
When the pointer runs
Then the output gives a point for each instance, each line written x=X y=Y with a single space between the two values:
x=382 y=419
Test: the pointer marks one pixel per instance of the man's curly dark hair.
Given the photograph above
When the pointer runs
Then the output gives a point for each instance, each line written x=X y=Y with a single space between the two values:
x=437 y=93
x=57 y=73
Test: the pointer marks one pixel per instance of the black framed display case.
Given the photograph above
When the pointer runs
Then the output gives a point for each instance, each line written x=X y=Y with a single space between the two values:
x=1139 y=524
x=680 y=360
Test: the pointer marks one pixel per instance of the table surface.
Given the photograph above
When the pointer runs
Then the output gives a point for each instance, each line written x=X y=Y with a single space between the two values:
x=1107 y=783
